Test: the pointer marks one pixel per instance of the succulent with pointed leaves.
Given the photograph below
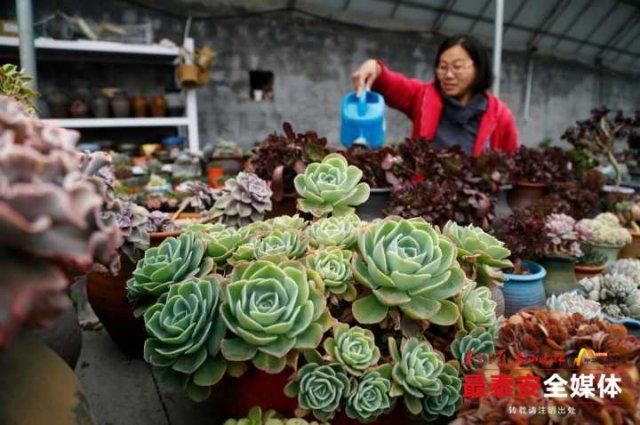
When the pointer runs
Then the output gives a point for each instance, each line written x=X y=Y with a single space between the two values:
x=257 y=417
x=573 y=302
x=221 y=240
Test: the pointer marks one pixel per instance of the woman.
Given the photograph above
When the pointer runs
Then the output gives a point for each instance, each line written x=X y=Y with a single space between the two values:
x=456 y=108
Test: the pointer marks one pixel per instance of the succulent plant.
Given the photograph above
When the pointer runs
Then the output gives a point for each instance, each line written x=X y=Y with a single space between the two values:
x=370 y=398
x=244 y=252
x=333 y=267
x=478 y=308
x=196 y=195
x=132 y=221
x=221 y=241
x=606 y=229
x=256 y=416
x=629 y=267
x=591 y=257
x=354 y=348
x=51 y=217
x=448 y=402
x=291 y=244
x=475 y=245
x=174 y=260
x=628 y=214
x=416 y=371
x=159 y=221
x=330 y=187
x=467 y=347
x=14 y=83
x=407 y=264
x=334 y=231
x=185 y=333
x=321 y=389
x=272 y=308
x=618 y=294
x=242 y=200
x=286 y=222
x=573 y=302
x=564 y=235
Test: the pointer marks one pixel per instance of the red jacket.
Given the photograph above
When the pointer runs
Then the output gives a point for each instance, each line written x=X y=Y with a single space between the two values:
x=422 y=103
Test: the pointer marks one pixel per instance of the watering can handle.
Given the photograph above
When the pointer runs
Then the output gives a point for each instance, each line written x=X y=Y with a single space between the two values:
x=362 y=103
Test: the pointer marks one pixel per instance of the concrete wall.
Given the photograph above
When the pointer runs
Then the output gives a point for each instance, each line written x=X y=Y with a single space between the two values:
x=313 y=61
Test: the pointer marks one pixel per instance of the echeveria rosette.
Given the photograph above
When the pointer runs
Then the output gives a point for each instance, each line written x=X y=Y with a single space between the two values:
x=270 y=309
x=476 y=345
x=354 y=348
x=287 y=222
x=448 y=402
x=174 y=260
x=185 y=332
x=333 y=267
x=478 y=308
x=416 y=372
x=221 y=242
x=256 y=416
x=334 y=231
x=246 y=251
x=320 y=389
x=291 y=244
x=371 y=396
x=407 y=264
x=330 y=187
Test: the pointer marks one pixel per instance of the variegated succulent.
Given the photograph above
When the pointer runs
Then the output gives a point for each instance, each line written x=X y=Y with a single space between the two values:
x=270 y=309
x=605 y=229
x=371 y=396
x=243 y=200
x=407 y=264
x=333 y=267
x=185 y=332
x=629 y=267
x=330 y=187
x=354 y=348
x=334 y=231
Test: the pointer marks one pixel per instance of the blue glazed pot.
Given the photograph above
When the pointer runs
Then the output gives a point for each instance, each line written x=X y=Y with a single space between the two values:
x=524 y=290
x=632 y=325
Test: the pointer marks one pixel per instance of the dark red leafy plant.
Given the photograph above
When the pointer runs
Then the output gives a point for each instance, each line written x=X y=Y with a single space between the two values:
x=523 y=233
x=371 y=162
x=548 y=165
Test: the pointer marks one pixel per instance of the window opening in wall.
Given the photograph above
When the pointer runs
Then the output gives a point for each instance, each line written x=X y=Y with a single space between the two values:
x=261 y=83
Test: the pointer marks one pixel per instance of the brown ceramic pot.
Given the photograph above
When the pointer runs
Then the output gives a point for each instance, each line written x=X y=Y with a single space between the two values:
x=583 y=271
x=632 y=249
x=524 y=194
x=139 y=106
x=158 y=106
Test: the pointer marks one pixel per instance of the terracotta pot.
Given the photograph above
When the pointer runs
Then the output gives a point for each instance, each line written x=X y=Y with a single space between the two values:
x=215 y=175
x=120 y=106
x=108 y=297
x=632 y=249
x=524 y=194
x=203 y=77
x=138 y=106
x=205 y=57
x=188 y=75
x=158 y=106
x=583 y=271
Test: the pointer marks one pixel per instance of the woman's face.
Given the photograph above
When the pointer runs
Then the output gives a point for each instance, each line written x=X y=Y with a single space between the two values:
x=456 y=72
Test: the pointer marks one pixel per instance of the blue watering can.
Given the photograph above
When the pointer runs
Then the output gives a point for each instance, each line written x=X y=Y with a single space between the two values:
x=363 y=120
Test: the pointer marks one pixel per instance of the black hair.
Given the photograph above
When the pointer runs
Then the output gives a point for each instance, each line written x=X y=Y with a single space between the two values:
x=479 y=55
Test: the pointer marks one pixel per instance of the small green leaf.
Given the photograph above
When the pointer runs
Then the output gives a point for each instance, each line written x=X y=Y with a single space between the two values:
x=211 y=372
x=197 y=393
x=312 y=356
x=269 y=363
x=310 y=338
x=237 y=350
x=393 y=349
x=236 y=369
x=447 y=315
x=369 y=310
x=413 y=404
x=291 y=389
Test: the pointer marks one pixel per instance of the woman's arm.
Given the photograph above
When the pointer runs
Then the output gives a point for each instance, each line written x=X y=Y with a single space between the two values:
x=399 y=92
x=508 y=135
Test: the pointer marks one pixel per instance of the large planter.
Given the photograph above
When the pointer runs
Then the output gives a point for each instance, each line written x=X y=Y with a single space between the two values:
x=583 y=271
x=611 y=252
x=524 y=290
x=632 y=249
x=561 y=275
x=524 y=194
x=372 y=209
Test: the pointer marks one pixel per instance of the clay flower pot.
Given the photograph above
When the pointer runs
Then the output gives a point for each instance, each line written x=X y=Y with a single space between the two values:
x=632 y=249
x=215 y=175
x=524 y=194
x=158 y=106
x=583 y=271
x=138 y=106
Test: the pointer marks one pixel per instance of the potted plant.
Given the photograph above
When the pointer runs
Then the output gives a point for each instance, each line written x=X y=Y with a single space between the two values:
x=215 y=173
x=495 y=170
x=628 y=213
x=564 y=238
x=607 y=235
x=280 y=157
x=524 y=235
x=535 y=169
x=53 y=225
x=590 y=263
x=352 y=322
x=372 y=163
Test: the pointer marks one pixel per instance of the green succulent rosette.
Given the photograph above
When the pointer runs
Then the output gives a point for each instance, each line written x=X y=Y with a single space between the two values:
x=185 y=333
x=246 y=251
x=334 y=231
x=333 y=267
x=416 y=372
x=407 y=264
x=272 y=308
x=330 y=187
x=478 y=308
x=174 y=260
x=257 y=417
x=477 y=246
x=354 y=348
x=221 y=240
x=448 y=402
x=478 y=343
x=287 y=222
x=291 y=244
x=320 y=389
x=371 y=396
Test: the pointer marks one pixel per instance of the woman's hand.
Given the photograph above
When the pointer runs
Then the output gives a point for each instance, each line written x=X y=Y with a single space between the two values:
x=364 y=77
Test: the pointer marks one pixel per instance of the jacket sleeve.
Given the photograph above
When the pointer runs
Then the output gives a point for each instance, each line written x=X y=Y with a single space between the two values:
x=508 y=141
x=399 y=92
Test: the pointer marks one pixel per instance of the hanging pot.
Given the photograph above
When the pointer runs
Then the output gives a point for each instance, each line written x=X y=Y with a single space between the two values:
x=524 y=290
x=188 y=75
x=372 y=208
x=561 y=275
x=524 y=194
x=632 y=249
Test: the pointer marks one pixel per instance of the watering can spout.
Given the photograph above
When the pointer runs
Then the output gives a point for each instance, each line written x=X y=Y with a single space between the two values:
x=363 y=120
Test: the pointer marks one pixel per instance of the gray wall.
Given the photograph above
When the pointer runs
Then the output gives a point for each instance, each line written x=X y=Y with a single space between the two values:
x=313 y=61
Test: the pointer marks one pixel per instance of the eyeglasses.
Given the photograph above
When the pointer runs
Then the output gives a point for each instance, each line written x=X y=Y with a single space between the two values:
x=457 y=68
